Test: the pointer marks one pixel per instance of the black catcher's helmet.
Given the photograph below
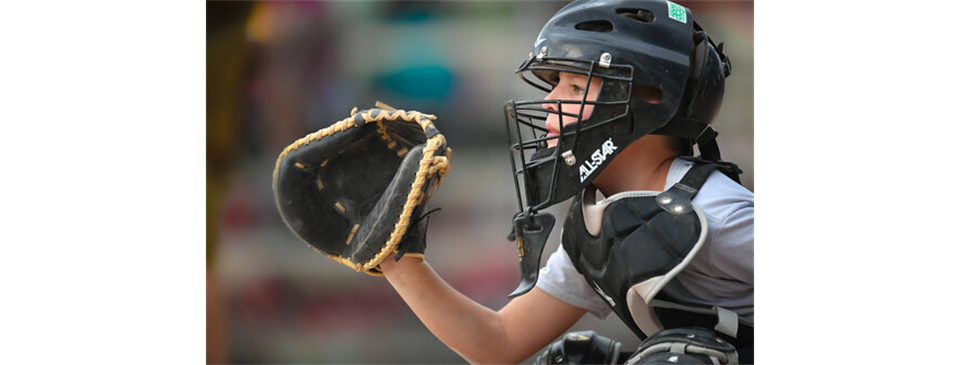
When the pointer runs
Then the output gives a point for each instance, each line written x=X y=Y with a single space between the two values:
x=649 y=46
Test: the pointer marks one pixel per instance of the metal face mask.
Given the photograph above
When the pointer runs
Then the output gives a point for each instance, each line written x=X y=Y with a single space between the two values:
x=549 y=175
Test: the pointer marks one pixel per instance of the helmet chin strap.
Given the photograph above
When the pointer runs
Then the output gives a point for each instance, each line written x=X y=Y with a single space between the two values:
x=710 y=151
x=707 y=142
x=705 y=137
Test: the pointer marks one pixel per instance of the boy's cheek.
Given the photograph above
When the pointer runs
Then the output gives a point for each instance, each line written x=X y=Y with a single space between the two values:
x=587 y=111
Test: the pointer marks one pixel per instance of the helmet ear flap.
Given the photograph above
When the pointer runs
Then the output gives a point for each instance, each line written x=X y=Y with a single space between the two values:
x=699 y=54
x=698 y=59
x=704 y=90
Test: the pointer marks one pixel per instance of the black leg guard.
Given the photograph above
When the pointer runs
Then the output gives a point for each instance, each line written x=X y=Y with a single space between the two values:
x=689 y=345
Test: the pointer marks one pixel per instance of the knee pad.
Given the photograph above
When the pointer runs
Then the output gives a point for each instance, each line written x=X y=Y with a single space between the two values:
x=585 y=347
x=688 y=345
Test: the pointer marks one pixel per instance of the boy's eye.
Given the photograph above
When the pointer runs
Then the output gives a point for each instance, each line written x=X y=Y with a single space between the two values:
x=577 y=89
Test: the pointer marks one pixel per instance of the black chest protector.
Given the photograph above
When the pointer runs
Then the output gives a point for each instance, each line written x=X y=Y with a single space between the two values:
x=629 y=246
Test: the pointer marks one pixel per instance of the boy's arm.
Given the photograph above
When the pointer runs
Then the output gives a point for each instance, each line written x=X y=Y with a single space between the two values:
x=480 y=335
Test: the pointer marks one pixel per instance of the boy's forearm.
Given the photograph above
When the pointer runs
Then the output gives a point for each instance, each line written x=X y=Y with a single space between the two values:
x=468 y=328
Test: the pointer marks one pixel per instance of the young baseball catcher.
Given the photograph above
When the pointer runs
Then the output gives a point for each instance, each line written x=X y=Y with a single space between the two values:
x=660 y=238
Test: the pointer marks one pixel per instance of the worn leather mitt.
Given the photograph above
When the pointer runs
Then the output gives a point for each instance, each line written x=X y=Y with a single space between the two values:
x=356 y=191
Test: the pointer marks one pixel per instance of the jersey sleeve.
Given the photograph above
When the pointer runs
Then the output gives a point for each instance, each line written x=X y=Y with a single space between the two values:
x=561 y=280
x=733 y=246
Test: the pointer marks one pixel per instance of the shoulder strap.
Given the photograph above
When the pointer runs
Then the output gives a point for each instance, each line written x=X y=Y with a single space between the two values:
x=727 y=168
x=693 y=180
x=678 y=199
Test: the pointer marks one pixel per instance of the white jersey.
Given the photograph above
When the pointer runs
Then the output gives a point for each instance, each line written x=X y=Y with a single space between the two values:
x=721 y=274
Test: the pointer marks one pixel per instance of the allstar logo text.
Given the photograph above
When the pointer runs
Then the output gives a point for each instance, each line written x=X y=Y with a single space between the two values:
x=596 y=159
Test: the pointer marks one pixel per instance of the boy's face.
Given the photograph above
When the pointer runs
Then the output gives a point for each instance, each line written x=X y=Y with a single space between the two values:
x=570 y=86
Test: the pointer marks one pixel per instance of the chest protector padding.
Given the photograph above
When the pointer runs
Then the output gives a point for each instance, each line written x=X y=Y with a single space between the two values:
x=629 y=246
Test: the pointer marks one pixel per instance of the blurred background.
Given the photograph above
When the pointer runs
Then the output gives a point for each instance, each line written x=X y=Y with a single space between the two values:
x=279 y=70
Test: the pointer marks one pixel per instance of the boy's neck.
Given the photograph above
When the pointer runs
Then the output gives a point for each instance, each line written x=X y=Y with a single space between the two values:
x=643 y=165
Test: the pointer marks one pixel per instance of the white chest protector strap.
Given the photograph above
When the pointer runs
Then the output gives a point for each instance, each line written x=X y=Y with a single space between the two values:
x=728 y=321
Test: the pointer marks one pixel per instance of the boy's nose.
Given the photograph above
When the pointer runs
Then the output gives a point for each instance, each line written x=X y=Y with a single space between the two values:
x=550 y=97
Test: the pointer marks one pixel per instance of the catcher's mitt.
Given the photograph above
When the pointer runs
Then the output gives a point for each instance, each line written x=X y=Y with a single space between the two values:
x=356 y=190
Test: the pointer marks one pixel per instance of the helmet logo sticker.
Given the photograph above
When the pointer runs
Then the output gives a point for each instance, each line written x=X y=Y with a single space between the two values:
x=677 y=12
x=597 y=158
